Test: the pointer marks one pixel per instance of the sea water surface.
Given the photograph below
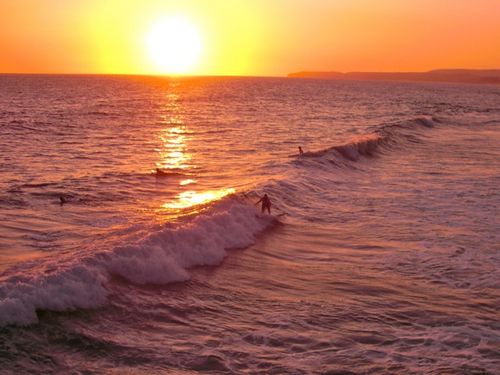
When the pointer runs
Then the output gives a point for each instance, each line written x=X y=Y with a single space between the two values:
x=130 y=242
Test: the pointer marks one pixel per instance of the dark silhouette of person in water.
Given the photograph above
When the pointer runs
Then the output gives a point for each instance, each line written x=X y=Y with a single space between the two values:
x=300 y=151
x=62 y=200
x=266 y=204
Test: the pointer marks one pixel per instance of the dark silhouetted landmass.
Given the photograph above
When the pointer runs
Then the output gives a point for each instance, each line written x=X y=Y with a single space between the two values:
x=490 y=76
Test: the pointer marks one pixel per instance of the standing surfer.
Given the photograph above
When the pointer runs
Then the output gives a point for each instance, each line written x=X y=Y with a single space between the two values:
x=266 y=204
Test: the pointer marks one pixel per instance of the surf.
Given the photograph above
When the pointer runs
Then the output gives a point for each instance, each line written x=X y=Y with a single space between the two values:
x=382 y=137
x=81 y=281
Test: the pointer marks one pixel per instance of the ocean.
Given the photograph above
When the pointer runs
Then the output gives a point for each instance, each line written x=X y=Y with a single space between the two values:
x=130 y=242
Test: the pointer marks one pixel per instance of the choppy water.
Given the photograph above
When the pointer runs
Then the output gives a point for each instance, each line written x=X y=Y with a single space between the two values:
x=382 y=254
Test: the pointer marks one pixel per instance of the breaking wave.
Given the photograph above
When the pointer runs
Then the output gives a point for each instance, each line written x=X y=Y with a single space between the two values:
x=163 y=256
x=367 y=145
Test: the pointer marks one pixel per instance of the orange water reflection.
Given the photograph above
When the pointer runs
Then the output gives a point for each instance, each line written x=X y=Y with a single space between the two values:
x=173 y=155
x=187 y=181
x=193 y=198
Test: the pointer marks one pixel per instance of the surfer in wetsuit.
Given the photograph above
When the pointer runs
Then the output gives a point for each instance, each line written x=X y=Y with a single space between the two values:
x=300 y=151
x=266 y=204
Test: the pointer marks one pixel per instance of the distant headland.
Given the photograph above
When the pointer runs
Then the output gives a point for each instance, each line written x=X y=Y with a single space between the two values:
x=490 y=76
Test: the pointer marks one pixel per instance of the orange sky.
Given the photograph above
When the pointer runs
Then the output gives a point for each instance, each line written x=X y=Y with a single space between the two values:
x=254 y=37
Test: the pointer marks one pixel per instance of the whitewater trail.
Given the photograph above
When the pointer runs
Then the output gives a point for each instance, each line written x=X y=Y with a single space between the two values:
x=80 y=281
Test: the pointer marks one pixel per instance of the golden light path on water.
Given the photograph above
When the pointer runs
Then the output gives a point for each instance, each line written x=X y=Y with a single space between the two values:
x=187 y=181
x=192 y=198
x=173 y=156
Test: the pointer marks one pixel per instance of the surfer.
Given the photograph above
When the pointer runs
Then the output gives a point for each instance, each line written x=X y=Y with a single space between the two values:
x=62 y=200
x=266 y=204
x=300 y=151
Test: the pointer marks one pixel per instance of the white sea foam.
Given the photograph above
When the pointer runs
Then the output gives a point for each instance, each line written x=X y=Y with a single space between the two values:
x=368 y=144
x=161 y=257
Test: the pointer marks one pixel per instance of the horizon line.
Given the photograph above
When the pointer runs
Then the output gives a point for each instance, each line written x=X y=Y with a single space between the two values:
x=145 y=75
x=285 y=75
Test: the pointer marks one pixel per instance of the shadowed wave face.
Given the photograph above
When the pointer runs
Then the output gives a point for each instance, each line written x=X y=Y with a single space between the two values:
x=380 y=256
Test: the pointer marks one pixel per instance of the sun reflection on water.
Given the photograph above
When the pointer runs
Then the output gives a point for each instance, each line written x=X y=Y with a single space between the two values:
x=173 y=155
x=193 y=198
x=174 y=158
x=187 y=181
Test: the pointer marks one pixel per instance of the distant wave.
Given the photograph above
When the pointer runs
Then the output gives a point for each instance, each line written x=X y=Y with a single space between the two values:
x=368 y=145
x=81 y=281
x=101 y=113
x=169 y=172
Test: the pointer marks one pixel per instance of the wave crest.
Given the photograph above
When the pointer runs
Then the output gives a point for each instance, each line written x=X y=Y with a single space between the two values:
x=161 y=257
x=369 y=144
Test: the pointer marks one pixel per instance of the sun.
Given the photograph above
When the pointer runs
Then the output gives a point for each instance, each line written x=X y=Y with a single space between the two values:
x=174 y=45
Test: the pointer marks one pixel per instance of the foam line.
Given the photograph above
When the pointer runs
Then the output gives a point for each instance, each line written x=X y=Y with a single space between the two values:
x=161 y=257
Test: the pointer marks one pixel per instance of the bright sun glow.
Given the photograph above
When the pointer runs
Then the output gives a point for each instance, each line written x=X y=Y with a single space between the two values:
x=174 y=45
